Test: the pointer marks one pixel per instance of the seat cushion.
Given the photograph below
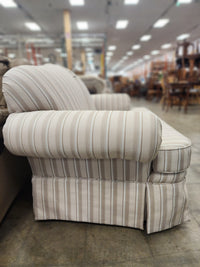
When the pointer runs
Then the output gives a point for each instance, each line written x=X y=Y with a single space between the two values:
x=174 y=154
x=47 y=87
x=175 y=151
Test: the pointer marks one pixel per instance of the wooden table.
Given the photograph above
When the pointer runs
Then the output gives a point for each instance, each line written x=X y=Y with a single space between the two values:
x=185 y=88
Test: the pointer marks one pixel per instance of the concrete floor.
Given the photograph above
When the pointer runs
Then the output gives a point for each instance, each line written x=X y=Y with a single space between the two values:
x=24 y=242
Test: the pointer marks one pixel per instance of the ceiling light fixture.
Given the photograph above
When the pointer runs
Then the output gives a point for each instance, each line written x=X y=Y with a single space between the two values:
x=155 y=52
x=8 y=3
x=109 y=54
x=112 y=47
x=183 y=36
x=121 y=24
x=145 y=38
x=166 y=46
x=77 y=2
x=161 y=23
x=136 y=47
x=131 y=2
x=180 y=2
x=130 y=53
x=82 y=25
x=147 y=57
x=32 y=26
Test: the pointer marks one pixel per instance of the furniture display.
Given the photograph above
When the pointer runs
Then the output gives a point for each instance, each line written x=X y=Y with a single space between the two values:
x=119 y=167
x=187 y=92
x=153 y=84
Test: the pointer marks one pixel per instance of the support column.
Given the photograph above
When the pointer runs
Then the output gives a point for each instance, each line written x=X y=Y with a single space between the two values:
x=83 y=61
x=68 y=40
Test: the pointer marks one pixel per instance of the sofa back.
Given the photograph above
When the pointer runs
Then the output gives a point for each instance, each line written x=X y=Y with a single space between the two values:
x=47 y=87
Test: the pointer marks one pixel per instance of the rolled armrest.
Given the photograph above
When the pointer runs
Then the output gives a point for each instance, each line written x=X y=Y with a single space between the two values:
x=112 y=101
x=84 y=134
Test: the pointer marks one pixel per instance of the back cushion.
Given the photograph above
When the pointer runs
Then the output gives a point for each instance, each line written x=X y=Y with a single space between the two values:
x=47 y=87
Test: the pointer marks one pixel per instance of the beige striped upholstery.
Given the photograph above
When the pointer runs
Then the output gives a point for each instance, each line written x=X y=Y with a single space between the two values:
x=104 y=169
x=174 y=153
x=166 y=205
x=106 y=202
x=84 y=134
x=167 y=177
x=94 y=83
x=28 y=88
x=92 y=165
x=112 y=101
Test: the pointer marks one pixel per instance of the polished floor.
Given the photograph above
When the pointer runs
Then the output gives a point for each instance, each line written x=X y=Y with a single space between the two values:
x=24 y=242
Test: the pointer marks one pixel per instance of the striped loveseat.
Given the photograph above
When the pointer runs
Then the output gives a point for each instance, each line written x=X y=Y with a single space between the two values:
x=92 y=159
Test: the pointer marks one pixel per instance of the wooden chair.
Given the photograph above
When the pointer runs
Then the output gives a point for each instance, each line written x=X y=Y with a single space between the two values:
x=170 y=97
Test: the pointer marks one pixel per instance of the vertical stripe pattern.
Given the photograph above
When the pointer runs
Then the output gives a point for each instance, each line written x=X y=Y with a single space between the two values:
x=47 y=87
x=79 y=207
x=84 y=134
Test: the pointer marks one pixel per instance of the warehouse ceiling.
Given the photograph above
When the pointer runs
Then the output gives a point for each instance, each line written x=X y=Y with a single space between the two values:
x=102 y=16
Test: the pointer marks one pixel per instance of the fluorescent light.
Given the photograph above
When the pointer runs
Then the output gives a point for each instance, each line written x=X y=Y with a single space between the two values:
x=147 y=57
x=121 y=24
x=131 y=2
x=166 y=46
x=8 y=3
x=59 y=50
x=130 y=53
x=184 y=2
x=112 y=47
x=77 y=2
x=11 y=55
x=155 y=52
x=32 y=26
x=145 y=38
x=136 y=47
x=161 y=23
x=183 y=36
x=109 y=53
x=82 y=25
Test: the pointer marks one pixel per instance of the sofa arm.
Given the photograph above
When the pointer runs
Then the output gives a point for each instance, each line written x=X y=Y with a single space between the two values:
x=84 y=134
x=112 y=101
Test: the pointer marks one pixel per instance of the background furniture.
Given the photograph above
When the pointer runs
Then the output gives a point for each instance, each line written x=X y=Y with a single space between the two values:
x=100 y=166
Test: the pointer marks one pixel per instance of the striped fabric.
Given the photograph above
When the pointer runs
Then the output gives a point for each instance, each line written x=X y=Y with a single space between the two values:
x=84 y=134
x=166 y=206
x=48 y=87
x=94 y=83
x=88 y=200
x=167 y=177
x=90 y=164
x=174 y=154
x=111 y=169
x=112 y=101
